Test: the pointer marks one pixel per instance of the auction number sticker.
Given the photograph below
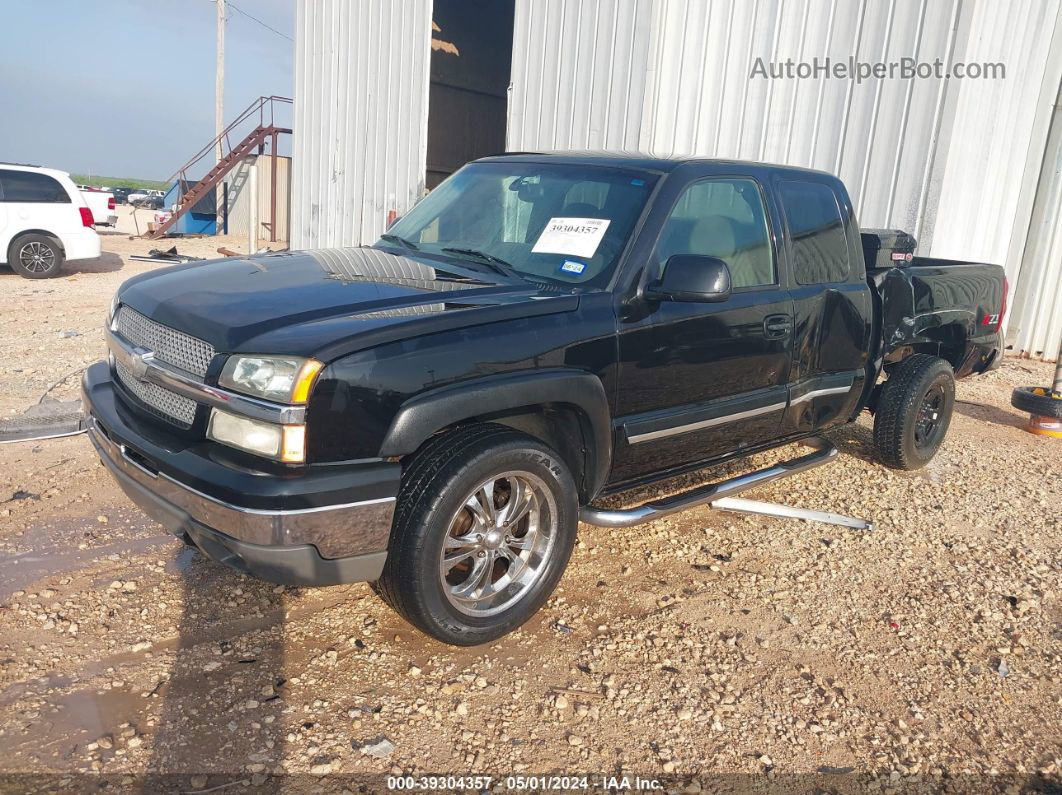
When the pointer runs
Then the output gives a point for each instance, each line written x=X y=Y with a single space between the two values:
x=578 y=237
x=439 y=783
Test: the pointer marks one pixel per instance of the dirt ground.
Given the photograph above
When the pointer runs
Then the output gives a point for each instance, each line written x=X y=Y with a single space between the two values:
x=50 y=329
x=708 y=651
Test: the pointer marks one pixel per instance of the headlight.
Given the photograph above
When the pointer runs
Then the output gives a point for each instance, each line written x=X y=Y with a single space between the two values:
x=285 y=443
x=285 y=379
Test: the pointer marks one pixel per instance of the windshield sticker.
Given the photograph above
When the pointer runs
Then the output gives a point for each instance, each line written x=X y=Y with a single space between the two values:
x=573 y=266
x=578 y=237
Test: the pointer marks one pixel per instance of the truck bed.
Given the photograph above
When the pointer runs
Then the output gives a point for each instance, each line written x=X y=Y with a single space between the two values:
x=948 y=307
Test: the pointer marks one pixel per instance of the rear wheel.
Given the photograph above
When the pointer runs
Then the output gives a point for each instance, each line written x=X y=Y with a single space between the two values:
x=914 y=411
x=483 y=530
x=35 y=256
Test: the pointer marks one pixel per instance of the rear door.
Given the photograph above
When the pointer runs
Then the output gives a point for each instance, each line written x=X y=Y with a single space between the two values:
x=702 y=380
x=832 y=302
x=37 y=201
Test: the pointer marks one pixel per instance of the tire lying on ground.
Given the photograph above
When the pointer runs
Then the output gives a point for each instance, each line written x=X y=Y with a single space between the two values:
x=1036 y=400
x=484 y=526
x=914 y=411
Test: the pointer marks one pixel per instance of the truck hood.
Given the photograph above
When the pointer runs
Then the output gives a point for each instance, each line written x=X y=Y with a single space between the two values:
x=327 y=302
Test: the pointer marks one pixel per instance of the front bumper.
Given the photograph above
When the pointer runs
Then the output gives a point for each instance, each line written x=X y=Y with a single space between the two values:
x=323 y=528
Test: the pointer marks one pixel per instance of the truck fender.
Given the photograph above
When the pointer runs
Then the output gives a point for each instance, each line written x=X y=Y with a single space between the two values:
x=429 y=412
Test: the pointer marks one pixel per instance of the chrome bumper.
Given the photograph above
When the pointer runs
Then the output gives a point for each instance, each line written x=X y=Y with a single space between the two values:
x=336 y=531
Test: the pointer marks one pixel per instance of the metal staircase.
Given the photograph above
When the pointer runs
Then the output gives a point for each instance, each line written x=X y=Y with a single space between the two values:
x=260 y=114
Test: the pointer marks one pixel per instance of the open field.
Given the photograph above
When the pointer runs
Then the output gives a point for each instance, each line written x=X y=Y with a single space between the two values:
x=118 y=182
x=741 y=651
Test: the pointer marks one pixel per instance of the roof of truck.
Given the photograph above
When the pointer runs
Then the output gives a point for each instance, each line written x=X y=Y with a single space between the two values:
x=639 y=160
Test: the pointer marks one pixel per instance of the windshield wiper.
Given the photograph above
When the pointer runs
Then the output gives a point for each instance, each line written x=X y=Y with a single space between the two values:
x=497 y=264
x=400 y=240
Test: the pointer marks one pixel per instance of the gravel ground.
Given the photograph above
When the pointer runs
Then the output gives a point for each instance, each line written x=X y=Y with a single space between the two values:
x=50 y=329
x=741 y=652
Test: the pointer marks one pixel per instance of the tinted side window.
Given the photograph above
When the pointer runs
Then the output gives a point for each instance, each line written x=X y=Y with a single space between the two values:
x=29 y=186
x=722 y=218
x=820 y=249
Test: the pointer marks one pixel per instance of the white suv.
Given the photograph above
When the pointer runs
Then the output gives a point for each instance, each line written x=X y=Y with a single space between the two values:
x=44 y=221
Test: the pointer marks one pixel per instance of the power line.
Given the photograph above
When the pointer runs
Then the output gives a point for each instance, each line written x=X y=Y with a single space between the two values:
x=236 y=8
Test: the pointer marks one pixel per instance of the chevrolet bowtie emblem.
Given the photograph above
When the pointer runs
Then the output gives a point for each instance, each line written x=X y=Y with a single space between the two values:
x=139 y=360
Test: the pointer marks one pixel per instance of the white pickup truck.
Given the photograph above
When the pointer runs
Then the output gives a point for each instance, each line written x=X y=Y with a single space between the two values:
x=102 y=205
x=146 y=198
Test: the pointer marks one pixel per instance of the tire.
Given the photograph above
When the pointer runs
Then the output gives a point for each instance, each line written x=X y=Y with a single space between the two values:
x=1041 y=405
x=35 y=256
x=448 y=475
x=914 y=411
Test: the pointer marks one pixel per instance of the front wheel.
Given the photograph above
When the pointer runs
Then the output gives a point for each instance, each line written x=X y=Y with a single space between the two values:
x=485 y=524
x=914 y=411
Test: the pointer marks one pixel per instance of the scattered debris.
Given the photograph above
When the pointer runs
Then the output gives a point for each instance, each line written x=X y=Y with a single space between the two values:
x=22 y=495
x=44 y=420
x=378 y=748
x=169 y=255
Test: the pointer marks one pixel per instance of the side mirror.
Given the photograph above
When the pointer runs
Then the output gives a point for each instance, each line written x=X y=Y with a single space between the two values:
x=692 y=278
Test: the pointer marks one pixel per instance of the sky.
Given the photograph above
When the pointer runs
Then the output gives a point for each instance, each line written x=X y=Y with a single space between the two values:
x=125 y=88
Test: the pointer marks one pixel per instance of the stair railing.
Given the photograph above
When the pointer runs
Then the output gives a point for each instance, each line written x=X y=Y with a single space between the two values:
x=263 y=108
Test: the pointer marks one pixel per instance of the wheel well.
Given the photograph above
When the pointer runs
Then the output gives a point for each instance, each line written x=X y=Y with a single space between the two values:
x=951 y=350
x=25 y=232
x=562 y=427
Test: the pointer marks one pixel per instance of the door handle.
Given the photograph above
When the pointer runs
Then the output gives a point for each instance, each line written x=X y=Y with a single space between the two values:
x=776 y=326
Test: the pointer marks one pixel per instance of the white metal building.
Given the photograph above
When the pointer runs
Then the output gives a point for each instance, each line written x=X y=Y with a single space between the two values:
x=390 y=97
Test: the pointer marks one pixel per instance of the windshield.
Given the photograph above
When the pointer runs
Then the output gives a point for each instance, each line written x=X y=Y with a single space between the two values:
x=563 y=223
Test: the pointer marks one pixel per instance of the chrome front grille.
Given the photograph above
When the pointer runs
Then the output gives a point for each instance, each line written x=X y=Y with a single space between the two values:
x=170 y=406
x=174 y=347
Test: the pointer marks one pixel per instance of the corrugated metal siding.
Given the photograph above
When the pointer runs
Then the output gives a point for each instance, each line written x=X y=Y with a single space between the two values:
x=360 y=119
x=955 y=161
x=578 y=74
x=993 y=134
x=1036 y=319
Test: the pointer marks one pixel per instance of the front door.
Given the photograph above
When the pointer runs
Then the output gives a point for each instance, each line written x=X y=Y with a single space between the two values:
x=701 y=380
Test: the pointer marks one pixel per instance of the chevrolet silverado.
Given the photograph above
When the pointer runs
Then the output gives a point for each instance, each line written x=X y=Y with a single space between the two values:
x=436 y=412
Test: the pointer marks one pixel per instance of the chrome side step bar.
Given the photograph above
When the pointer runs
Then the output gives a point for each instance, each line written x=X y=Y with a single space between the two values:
x=720 y=496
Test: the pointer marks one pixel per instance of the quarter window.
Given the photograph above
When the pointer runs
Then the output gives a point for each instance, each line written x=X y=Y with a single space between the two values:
x=816 y=228
x=722 y=218
x=30 y=186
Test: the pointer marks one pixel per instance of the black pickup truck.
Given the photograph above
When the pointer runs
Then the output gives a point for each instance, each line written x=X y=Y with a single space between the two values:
x=435 y=413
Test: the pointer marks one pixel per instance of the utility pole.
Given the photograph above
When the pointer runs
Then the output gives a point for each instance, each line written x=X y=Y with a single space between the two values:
x=219 y=80
x=219 y=111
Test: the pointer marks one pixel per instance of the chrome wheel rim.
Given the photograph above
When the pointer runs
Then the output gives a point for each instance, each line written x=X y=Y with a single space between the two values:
x=498 y=543
x=36 y=257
